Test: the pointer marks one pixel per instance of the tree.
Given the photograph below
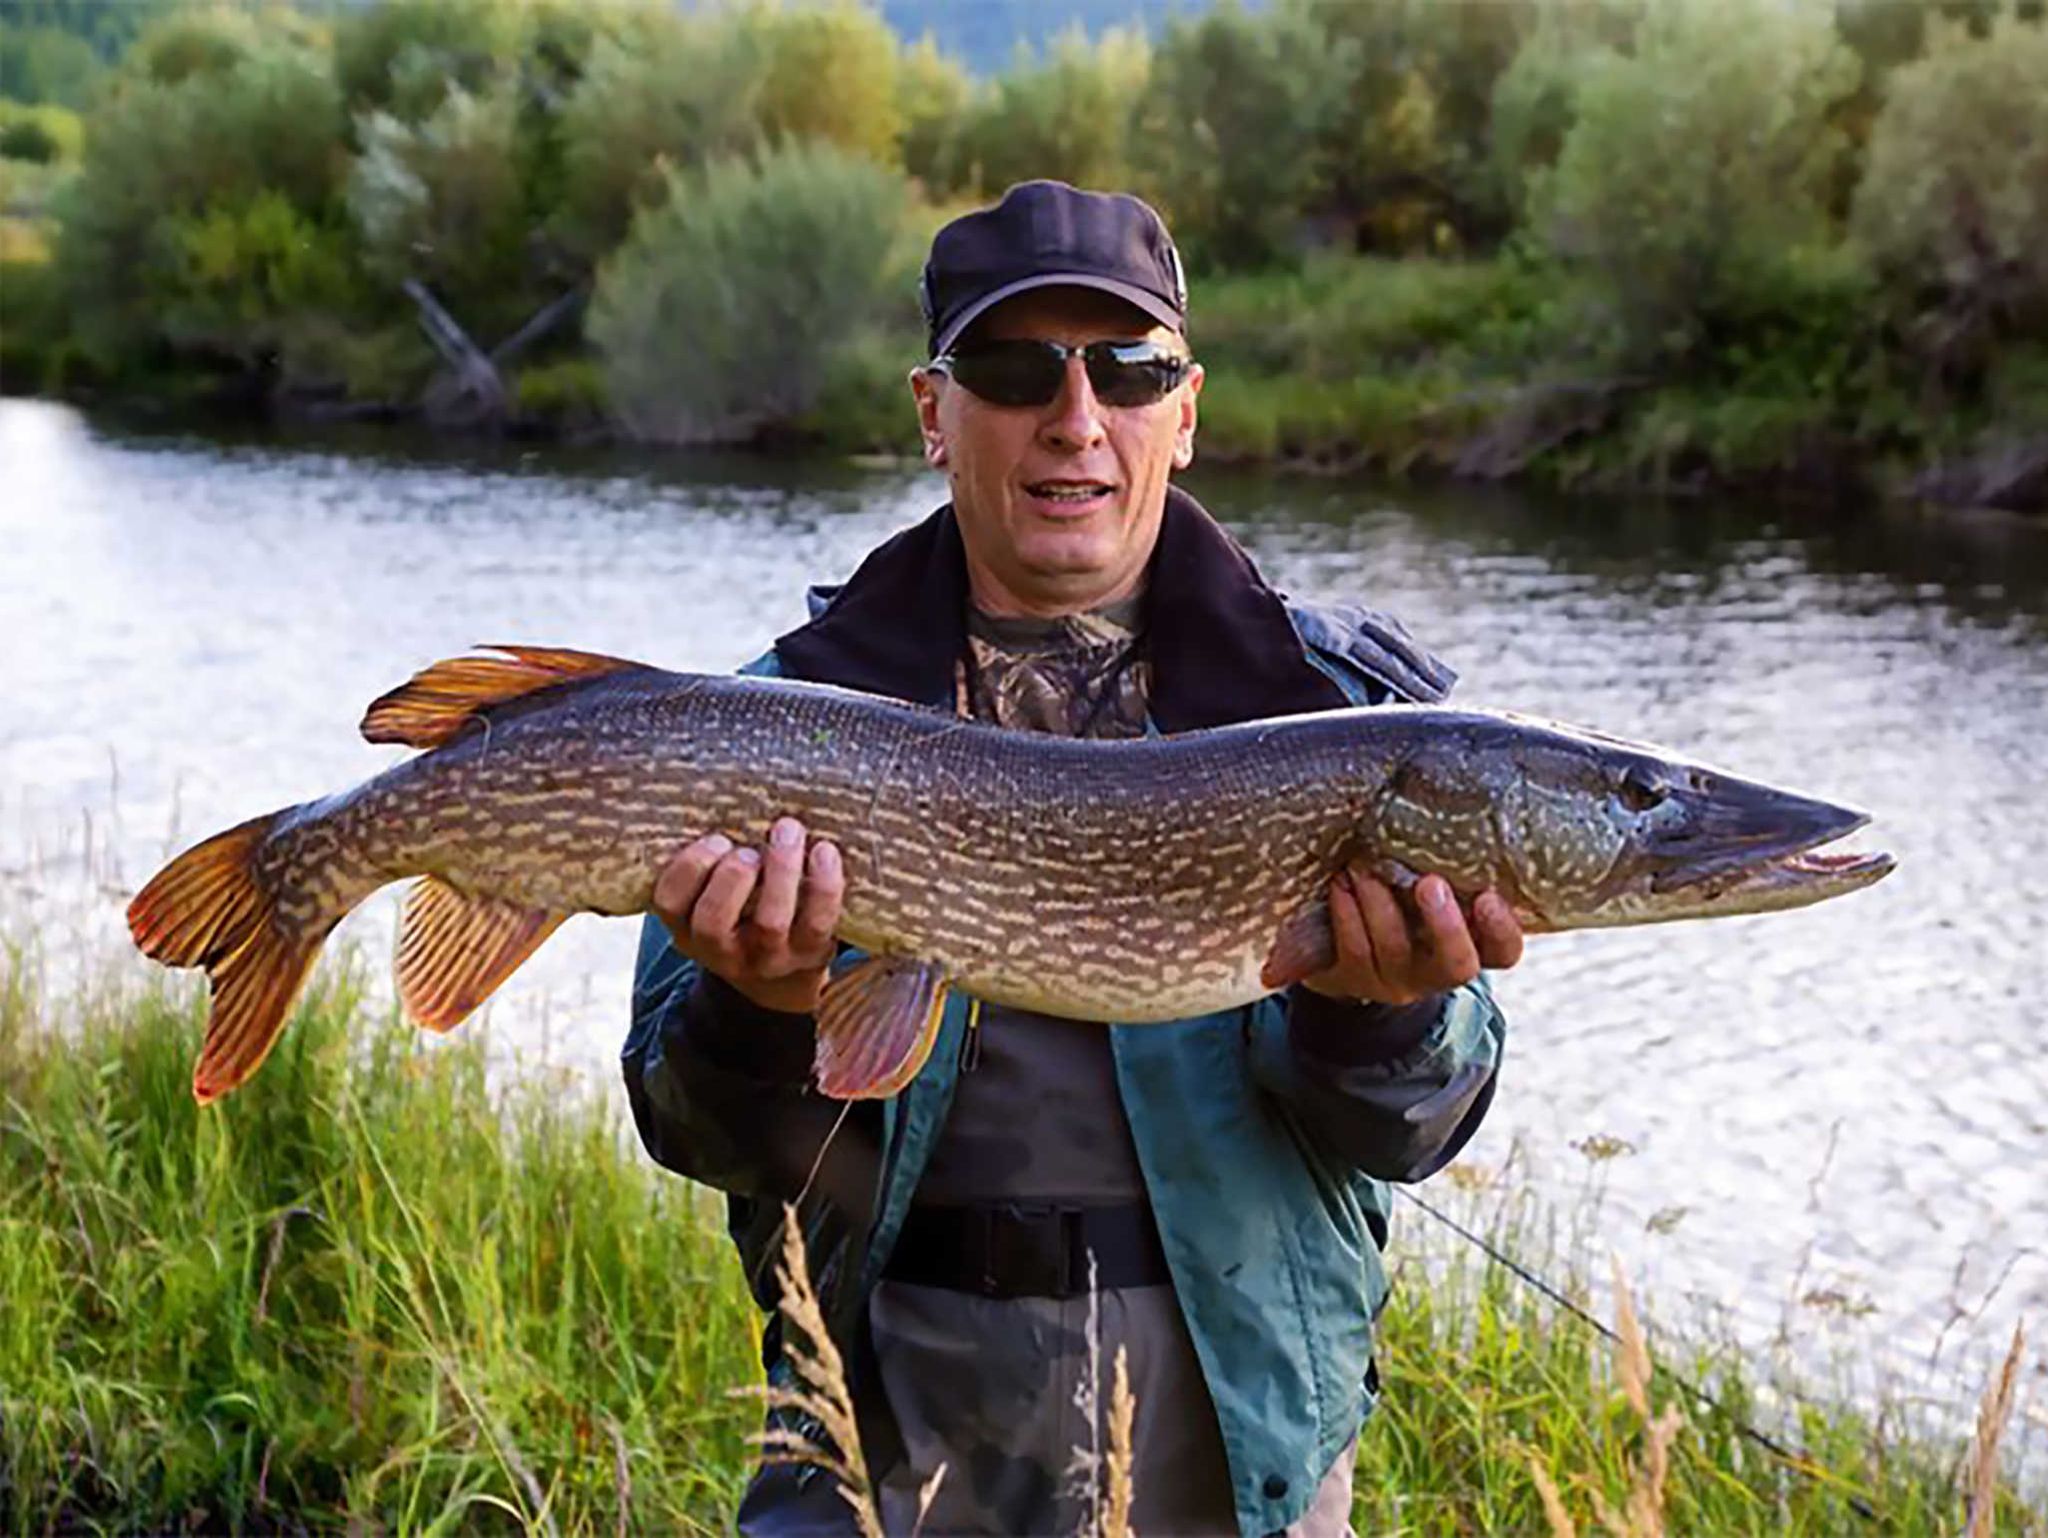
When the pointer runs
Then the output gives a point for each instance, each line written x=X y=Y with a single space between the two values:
x=1232 y=138
x=1066 y=116
x=720 y=316
x=1953 y=203
x=1695 y=164
x=206 y=216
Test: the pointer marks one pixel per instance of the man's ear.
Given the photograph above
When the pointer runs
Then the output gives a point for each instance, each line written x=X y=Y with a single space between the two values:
x=924 y=388
x=1184 y=430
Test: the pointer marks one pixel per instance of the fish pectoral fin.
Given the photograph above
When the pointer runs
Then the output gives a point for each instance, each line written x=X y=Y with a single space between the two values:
x=1305 y=946
x=877 y=1021
x=438 y=701
x=455 y=947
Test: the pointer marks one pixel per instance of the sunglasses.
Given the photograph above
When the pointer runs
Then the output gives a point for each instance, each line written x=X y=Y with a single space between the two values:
x=1024 y=372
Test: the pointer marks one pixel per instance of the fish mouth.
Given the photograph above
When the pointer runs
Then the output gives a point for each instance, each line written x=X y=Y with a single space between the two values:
x=1749 y=842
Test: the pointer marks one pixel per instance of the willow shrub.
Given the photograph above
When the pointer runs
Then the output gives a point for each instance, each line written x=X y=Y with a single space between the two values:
x=721 y=317
x=1953 y=203
x=1693 y=162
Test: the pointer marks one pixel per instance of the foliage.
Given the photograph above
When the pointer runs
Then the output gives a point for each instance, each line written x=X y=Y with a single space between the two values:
x=215 y=162
x=1066 y=116
x=932 y=93
x=441 y=201
x=1231 y=134
x=697 y=314
x=42 y=64
x=1954 y=201
x=376 y=1290
x=403 y=56
x=40 y=135
x=829 y=73
x=660 y=91
x=1693 y=159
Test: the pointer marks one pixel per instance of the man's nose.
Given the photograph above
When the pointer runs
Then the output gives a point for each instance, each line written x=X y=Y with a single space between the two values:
x=1074 y=419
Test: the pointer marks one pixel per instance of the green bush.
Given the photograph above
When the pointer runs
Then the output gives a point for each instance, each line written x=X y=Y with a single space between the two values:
x=1954 y=200
x=719 y=318
x=1691 y=162
x=206 y=213
x=1230 y=139
x=25 y=138
x=933 y=92
x=1066 y=116
x=32 y=324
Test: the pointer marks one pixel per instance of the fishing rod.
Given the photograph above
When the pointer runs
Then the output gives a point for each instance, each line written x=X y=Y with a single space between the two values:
x=1798 y=1461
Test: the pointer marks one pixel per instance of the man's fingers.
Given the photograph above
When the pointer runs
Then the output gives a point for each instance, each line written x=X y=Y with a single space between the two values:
x=782 y=870
x=1497 y=930
x=817 y=914
x=1453 y=957
x=1387 y=926
x=715 y=921
x=677 y=887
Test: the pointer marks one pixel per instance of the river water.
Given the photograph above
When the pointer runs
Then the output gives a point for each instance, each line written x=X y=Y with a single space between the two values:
x=1822 y=1133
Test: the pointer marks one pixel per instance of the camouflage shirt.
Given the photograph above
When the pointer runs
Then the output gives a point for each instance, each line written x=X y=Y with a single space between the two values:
x=997 y=1390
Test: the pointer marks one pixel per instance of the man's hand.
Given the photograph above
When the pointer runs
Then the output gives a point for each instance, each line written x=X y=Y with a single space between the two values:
x=760 y=919
x=1395 y=952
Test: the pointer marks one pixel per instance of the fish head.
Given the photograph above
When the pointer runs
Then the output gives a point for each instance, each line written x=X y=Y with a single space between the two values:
x=1579 y=830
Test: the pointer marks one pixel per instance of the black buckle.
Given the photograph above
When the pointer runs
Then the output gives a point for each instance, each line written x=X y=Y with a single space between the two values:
x=1031 y=1251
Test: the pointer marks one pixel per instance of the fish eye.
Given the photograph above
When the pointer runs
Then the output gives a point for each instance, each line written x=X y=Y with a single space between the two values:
x=1640 y=790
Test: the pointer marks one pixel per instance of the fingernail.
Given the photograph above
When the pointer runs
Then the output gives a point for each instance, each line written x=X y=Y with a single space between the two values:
x=1436 y=896
x=748 y=856
x=825 y=859
x=786 y=834
x=718 y=845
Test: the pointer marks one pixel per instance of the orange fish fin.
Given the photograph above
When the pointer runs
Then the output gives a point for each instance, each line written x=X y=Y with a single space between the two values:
x=438 y=701
x=455 y=948
x=877 y=1021
x=207 y=909
x=1305 y=946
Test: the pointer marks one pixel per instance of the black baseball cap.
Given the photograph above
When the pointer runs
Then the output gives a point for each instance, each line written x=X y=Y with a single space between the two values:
x=1046 y=234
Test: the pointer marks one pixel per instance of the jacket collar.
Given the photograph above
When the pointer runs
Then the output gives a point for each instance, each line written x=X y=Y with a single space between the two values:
x=1221 y=644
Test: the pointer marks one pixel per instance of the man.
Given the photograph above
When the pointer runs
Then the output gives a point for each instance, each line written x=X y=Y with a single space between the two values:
x=1206 y=1194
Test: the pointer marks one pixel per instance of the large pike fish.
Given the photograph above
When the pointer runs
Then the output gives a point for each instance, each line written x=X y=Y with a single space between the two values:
x=1128 y=881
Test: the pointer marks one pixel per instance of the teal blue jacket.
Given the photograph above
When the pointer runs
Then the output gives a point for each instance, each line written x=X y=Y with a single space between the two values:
x=1266 y=1134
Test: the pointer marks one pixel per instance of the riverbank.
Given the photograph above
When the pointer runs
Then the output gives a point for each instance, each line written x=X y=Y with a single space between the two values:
x=1428 y=370
x=373 y=1288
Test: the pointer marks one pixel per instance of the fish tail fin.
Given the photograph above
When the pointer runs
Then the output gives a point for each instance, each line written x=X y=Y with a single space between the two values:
x=208 y=909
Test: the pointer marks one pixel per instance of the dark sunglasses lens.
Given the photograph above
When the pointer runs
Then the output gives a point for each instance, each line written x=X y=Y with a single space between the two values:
x=1011 y=373
x=1133 y=376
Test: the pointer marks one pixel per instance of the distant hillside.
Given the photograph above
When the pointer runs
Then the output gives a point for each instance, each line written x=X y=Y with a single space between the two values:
x=984 y=34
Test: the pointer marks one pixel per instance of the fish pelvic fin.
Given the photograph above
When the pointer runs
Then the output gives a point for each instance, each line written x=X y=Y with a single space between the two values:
x=877 y=1021
x=455 y=948
x=438 y=701
x=1306 y=945
x=208 y=909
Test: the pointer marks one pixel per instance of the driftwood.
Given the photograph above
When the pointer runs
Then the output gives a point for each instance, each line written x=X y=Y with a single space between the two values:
x=470 y=391
x=1537 y=419
x=2012 y=475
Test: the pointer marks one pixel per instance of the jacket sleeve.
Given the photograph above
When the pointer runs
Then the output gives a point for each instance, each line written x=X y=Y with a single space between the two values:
x=720 y=1088
x=1394 y=1091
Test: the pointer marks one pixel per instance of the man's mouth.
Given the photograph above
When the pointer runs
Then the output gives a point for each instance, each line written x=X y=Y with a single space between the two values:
x=1070 y=493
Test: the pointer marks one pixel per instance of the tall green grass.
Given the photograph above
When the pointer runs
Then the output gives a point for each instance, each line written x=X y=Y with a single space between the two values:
x=378 y=1290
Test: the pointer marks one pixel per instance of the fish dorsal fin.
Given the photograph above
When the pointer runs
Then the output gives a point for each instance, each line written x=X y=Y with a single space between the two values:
x=454 y=949
x=877 y=1021
x=438 y=701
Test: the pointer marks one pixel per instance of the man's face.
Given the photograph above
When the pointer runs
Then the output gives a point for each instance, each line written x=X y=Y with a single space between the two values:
x=1059 y=505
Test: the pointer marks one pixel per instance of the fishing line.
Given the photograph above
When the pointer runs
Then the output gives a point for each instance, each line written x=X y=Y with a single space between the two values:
x=824 y=1147
x=1799 y=1462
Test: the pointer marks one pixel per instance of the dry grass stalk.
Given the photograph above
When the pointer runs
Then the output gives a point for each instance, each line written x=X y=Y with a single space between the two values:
x=1992 y=1415
x=822 y=1393
x=1561 y=1524
x=1123 y=1409
x=1642 y=1514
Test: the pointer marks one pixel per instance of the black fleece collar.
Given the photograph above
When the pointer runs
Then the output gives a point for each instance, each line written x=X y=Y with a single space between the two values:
x=1221 y=645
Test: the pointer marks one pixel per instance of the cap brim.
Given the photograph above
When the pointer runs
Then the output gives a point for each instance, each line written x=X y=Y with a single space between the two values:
x=1130 y=293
